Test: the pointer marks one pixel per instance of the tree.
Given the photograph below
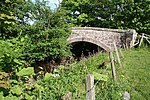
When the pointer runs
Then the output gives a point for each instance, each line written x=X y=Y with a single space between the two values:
x=48 y=34
x=45 y=39
x=134 y=14
x=13 y=13
x=123 y=14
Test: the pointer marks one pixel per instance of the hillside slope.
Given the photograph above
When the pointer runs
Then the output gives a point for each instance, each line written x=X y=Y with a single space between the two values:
x=136 y=73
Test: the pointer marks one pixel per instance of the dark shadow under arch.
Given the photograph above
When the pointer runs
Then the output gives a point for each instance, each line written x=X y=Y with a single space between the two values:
x=85 y=49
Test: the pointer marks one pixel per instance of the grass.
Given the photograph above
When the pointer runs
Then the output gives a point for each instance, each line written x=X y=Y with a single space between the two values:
x=133 y=77
x=136 y=73
x=72 y=78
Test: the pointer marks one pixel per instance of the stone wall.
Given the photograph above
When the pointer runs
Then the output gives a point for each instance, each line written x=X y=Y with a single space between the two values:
x=103 y=37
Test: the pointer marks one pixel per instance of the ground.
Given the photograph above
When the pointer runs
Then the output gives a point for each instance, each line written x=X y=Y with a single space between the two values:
x=136 y=73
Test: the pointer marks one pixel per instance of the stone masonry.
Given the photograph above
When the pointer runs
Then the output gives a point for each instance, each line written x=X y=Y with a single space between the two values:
x=103 y=37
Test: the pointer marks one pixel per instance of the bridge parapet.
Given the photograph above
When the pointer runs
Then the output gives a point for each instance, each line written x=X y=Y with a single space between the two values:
x=103 y=37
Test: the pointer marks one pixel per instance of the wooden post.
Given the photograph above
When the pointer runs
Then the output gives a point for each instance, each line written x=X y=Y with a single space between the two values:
x=127 y=46
x=124 y=46
x=141 y=39
x=121 y=53
x=90 y=89
x=134 y=36
x=112 y=65
x=117 y=54
x=148 y=41
x=68 y=96
x=115 y=58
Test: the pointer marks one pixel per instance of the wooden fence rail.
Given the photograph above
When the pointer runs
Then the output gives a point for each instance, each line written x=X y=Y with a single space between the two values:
x=90 y=86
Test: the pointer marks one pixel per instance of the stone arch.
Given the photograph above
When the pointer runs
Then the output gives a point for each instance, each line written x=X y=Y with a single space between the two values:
x=102 y=37
x=90 y=40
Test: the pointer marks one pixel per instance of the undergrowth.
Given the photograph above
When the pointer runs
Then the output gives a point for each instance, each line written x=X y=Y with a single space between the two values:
x=132 y=77
x=72 y=79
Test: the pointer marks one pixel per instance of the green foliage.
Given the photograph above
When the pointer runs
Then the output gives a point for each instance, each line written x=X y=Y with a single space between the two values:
x=10 y=97
x=4 y=80
x=48 y=33
x=71 y=78
x=50 y=43
x=11 y=55
x=23 y=91
x=135 y=73
x=9 y=17
x=16 y=90
x=45 y=39
x=48 y=75
x=123 y=14
x=109 y=91
x=26 y=71
x=23 y=45
x=101 y=77
x=23 y=88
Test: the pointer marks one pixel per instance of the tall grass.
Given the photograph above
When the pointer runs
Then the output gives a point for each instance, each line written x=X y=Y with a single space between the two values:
x=133 y=77
x=136 y=73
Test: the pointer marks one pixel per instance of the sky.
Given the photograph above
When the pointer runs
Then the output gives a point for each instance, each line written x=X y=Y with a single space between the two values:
x=52 y=3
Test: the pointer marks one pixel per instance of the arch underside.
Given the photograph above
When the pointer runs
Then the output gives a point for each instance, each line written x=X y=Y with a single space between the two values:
x=90 y=40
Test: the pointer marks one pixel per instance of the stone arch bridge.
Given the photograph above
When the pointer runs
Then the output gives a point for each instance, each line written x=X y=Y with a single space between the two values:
x=103 y=37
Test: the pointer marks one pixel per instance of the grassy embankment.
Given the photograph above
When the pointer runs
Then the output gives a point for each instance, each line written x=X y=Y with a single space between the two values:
x=133 y=77
x=136 y=72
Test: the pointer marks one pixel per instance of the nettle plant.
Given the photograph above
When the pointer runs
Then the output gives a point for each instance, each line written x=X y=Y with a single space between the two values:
x=25 y=88
x=11 y=55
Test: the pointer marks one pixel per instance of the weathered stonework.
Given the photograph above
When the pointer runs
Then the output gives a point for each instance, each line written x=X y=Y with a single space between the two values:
x=103 y=37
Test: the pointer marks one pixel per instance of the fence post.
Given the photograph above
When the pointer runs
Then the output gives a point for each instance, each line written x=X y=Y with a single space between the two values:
x=117 y=54
x=121 y=53
x=124 y=46
x=127 y=46
x=141 y=39
x=148 y=40
x=113 y=66
x=90 y=89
